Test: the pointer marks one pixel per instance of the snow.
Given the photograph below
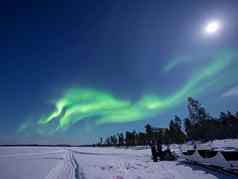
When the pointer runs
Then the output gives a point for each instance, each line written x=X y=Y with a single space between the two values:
x=227 y=143
x=93 y=163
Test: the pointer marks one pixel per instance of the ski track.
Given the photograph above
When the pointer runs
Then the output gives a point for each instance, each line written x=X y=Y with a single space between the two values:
x=67 y=169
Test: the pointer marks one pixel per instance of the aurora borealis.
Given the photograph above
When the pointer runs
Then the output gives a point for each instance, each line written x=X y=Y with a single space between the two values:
x=74 y=71
x=81 y=103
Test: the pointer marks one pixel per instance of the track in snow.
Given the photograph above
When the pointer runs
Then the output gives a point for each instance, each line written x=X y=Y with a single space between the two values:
x=68 y=168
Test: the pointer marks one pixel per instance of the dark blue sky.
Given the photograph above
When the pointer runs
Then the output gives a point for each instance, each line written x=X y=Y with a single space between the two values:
x=118 y=46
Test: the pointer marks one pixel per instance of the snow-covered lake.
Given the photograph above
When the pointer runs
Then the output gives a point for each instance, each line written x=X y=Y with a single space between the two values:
x=93 y=163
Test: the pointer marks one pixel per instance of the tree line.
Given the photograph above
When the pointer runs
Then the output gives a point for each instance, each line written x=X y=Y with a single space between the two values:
x=199 y=125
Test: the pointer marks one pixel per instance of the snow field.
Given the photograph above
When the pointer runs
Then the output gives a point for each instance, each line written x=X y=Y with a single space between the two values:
x=93 y=163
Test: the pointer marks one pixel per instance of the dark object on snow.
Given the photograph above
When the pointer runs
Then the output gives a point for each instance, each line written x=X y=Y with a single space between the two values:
x=159 y=149
x=154 y=152
x=167 y=155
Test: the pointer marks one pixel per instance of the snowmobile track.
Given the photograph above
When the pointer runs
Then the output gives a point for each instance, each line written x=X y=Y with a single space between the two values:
x=67 y=168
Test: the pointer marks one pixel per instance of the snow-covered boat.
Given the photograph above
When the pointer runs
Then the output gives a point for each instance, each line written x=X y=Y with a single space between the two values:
x=225 y=158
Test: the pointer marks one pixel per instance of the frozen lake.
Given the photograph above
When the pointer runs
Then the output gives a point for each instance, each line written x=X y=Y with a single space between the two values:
x=93 y=163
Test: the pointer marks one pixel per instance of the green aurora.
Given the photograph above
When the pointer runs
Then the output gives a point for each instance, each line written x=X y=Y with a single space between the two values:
x=175 y=62
x=79 y=103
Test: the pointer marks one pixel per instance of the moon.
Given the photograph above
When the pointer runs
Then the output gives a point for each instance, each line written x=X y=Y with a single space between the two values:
x=212 y=27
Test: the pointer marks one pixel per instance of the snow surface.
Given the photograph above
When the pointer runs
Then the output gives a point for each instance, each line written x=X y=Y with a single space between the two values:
x=226 y=144
x=93 y=163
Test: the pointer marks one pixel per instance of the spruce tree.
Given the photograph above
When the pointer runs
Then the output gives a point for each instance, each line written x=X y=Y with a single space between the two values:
x=196 y=111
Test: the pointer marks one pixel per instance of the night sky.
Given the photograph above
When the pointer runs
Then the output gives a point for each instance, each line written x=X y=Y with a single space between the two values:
x=73 y=71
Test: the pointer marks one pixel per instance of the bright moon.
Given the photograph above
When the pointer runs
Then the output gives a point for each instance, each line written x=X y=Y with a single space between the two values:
x=212 y=27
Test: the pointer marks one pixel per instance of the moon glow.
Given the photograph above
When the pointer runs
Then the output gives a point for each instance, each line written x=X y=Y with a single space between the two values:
x=212 y=27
